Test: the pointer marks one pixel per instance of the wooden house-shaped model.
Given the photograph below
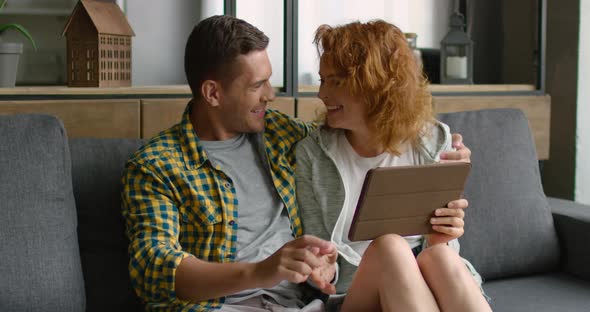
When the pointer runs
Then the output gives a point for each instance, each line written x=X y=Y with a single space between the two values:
x=98 y=45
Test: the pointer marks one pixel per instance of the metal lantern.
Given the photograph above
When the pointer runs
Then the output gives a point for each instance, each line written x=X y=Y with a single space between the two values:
x=456 y=54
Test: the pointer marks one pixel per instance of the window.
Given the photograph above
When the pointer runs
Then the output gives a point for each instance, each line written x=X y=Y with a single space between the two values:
x=296 y=21
x=431 y=27
x=256 y=12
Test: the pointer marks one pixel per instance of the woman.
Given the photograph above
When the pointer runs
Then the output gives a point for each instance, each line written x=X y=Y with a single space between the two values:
x=379 y=114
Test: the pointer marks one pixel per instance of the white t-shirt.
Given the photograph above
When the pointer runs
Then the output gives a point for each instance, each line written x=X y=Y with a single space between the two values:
x=353 y=169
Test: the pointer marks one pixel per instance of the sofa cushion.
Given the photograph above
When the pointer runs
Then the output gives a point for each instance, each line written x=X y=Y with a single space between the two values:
x=97 y=168
x=508 y=225
x=540 y=293
x=39 y=256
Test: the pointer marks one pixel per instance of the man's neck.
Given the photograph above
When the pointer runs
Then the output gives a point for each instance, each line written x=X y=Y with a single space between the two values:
x=207 y=124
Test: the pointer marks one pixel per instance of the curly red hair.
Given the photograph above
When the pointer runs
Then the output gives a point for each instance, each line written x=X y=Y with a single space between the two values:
x=377 y=65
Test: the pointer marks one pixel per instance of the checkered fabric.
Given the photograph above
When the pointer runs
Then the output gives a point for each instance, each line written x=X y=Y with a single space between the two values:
x=176 y=204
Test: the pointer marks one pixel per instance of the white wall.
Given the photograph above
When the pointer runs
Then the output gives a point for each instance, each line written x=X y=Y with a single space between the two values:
x=427 y=18
x=582 y=192
x=161 y=29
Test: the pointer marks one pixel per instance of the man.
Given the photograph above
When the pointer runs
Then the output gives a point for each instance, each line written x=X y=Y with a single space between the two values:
x=210 y=204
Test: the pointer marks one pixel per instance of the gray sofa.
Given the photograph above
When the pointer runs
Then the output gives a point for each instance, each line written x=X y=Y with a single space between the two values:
x=63 y=246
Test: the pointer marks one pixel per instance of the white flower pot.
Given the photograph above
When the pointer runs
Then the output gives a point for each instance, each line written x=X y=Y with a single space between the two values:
x=9 y=54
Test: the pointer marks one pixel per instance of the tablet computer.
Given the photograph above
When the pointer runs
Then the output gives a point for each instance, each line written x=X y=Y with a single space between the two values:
x=402 y=200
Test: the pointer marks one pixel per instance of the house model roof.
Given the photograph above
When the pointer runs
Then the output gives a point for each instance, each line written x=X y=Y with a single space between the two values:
x=107 y=17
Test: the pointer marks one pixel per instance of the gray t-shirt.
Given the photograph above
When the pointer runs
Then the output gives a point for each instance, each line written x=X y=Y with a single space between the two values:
x=263 y=223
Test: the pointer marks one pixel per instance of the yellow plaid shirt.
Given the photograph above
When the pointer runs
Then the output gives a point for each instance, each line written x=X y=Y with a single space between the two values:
x=177 y=205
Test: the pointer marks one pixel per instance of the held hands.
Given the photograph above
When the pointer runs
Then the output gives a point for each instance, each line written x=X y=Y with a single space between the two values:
x=461 y=153
x=323 y=275
x=296 y=261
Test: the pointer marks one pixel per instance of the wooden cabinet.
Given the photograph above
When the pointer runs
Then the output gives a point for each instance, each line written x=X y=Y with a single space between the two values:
x=160 y=114
x=85 y=118
x=143 y=112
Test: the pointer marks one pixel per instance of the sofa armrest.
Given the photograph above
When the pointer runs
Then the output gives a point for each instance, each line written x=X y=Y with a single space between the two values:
x=572 y=222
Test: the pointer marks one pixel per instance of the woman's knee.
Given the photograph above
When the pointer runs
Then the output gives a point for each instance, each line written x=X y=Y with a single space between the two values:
x=439 y=257
x=445 y=272
x=390 y=241
x=389 y=245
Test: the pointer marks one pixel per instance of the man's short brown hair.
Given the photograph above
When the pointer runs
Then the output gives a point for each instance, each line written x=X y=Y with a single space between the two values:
x=213 y=46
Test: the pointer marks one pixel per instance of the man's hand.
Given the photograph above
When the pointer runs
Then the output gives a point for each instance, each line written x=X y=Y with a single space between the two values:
x=461 y=153
x=448 y=222
x=323 y=275
x=294 y=262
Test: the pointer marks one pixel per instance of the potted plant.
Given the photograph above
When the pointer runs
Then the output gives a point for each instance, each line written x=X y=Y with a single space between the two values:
x=10 y=52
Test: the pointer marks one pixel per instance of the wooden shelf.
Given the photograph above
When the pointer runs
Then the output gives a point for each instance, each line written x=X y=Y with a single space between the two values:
x=36 y=11
x=438 y=88
x=185 y=90
x=63 y=90
x=481 y=88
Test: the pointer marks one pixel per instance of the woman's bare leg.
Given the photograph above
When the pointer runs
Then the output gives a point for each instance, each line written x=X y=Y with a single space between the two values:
x=450 y=281
x=389 y=279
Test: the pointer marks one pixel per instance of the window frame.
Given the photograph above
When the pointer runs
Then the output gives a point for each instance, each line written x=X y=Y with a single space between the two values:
x=290 y=48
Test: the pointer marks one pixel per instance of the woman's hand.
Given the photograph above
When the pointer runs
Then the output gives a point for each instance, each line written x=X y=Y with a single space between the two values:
x=294 y=262
x=461 y=153
x=323 y=275
x=448 y=222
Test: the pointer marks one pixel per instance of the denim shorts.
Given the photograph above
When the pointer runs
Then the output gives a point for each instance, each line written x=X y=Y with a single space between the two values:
x=416 y=250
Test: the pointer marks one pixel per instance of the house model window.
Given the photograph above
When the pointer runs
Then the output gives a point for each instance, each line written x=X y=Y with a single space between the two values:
x=98 y=45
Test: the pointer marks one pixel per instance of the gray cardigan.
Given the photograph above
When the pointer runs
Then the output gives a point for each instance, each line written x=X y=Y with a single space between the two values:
x=320 y=189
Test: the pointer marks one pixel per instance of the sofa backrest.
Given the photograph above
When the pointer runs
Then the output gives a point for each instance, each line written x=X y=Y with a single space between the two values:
x=39 y=258
x=508 y=225
x=97 y=168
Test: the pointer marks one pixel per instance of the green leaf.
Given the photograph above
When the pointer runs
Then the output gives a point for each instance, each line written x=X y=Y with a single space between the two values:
x=19 y=28
x=2 y=3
